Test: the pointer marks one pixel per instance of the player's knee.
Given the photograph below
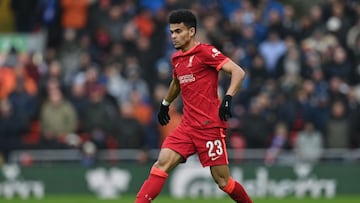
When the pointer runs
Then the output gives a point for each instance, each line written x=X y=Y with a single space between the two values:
x=221 y=182
x=167 y=160
x=163 y=164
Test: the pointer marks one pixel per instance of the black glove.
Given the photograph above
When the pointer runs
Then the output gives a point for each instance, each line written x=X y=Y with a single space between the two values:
x=163 y=115
x=225 y=108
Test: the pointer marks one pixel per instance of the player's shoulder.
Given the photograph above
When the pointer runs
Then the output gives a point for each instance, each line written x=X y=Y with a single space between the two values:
x=208 y=48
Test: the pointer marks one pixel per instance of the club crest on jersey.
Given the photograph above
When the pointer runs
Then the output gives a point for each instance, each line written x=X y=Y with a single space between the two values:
x=186 y=78
x=190 y=61
x=215 y=52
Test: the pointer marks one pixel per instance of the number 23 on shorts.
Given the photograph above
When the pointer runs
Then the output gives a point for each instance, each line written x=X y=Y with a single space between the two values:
x=215 y=149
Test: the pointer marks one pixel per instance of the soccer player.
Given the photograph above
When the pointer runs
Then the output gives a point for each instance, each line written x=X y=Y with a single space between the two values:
x=202 y=129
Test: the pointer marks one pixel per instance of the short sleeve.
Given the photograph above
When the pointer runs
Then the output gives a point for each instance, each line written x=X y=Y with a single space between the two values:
x=213 y=57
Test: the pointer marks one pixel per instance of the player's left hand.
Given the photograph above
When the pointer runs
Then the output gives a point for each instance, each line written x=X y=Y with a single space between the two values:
x=225 y=108
x=163 y=115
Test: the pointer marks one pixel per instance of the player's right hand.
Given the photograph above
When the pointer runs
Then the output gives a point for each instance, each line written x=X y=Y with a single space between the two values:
x=225 y=108
x=163 y=115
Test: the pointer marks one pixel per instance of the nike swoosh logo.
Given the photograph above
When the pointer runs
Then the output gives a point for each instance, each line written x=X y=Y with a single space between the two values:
x=214 y=158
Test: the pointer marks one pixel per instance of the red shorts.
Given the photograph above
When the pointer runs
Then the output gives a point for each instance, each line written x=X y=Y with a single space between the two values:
x=209 y=144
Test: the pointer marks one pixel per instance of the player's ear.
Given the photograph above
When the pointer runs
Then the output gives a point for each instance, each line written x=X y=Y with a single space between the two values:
x=192 y=31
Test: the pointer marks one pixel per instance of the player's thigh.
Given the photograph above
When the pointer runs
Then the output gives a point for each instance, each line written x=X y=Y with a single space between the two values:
x=220 y=174
x=168 y=159
x=211 y=147
x=180 y=141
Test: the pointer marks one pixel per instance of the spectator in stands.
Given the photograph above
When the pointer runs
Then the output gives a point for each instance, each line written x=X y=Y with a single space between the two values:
x=258 y=74
x=213 y=31
x=256 y=127
x=7 y=81
x=79 y=100
x=272 y=49
x=337 y=134
x=57 y=120
x=147 y=57
x=88 y=50
x=69 y=53
x=289 y=71
x=130 y=133
x=317 y=16
x=353 y=104
x=31 y=65
x=49 y=14
x=74 y=13
x=11 y=77
x=339 y=66
x=289 y=23
x=143 y=112
x=135 y=81
x=163 y=72
x=12 y=126
x=279 y=141
x=248 y=41
x=144 y=22
x=309 y=144
x=117 y=55
x=337 y=89
x=116 y=83
x=274 y=23
x=92 y=78
x=24 y=97
x=98 y=12
x=353 y=34
x=267 y=6
x=317 y=91
x=295 y=110
x=114 y=22
x=130 y=35
x=24 y=80
x=54 y=74
x=291 y=62
x=99 y=118
x=25 y=14
x=321 y=86
x=339 y=21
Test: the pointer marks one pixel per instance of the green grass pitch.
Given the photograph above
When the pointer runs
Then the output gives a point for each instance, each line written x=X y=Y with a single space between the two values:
x=165 y=199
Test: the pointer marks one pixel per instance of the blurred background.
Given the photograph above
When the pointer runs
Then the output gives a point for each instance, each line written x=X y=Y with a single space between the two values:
x=81 y=82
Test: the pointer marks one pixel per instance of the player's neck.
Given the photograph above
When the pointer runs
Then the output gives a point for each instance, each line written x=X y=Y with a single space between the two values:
x=189 y=46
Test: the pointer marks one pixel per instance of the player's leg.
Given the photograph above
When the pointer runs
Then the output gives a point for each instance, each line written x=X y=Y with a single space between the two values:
x=212 y=152
x=167 y=160
x=221 y=175
x=175 y=149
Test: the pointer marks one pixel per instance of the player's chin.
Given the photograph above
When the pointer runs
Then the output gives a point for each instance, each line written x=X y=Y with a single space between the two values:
x=176 y=46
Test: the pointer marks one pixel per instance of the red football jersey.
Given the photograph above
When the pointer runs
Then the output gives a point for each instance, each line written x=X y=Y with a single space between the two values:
x=197 y=71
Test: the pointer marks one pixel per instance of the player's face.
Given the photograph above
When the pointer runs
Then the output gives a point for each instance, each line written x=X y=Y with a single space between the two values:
x=181 y=35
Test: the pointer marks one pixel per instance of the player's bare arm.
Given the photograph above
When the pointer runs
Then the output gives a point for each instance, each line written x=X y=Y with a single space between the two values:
x=237 y=77
x=174 y=90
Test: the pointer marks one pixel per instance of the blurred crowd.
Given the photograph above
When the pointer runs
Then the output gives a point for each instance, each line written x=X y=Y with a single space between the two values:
x=105 y=69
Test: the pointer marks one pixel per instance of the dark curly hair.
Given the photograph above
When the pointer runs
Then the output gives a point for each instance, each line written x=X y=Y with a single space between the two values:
x=183 y=16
